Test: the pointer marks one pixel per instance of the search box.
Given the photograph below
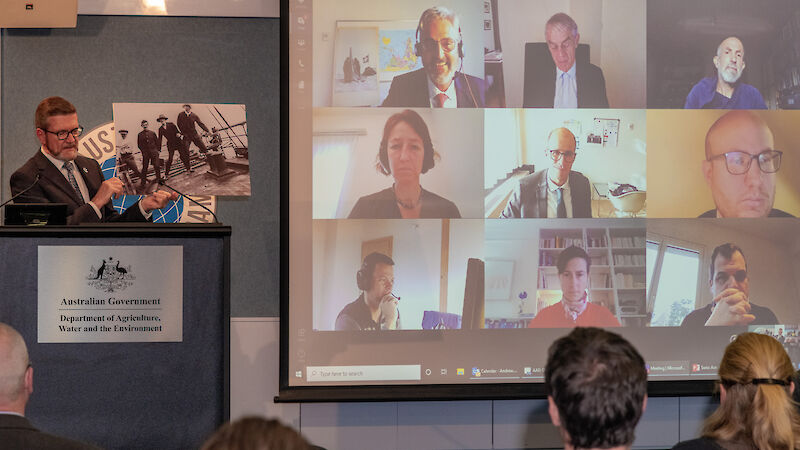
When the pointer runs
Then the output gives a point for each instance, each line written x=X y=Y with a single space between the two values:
x=363 y=373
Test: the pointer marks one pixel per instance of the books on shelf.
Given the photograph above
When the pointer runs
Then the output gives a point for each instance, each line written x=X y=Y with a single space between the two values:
x=560 y=242
x=630 y=260
x=628 y=241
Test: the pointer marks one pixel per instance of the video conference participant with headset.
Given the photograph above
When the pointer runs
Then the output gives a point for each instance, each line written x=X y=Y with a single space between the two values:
x=406 y=151
x=376 y=307
x=440 y=83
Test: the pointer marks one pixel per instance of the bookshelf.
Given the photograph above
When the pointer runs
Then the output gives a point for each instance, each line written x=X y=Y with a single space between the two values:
x=617 y=275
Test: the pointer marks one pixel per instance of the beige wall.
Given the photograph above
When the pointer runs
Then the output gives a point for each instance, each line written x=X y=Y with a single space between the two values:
x=675 y=151
x=771 y=250
x=614 y=29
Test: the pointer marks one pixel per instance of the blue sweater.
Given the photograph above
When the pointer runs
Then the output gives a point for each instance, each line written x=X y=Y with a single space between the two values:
x=704 y=96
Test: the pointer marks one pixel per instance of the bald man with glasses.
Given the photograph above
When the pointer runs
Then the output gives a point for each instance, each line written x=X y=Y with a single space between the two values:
x=554 y=192
x=741 y=166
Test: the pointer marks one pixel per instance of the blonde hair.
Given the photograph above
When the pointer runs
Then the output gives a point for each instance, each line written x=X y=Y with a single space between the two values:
x=756 y=373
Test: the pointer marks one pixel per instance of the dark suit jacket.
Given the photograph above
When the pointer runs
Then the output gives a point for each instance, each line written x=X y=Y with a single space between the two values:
x=17 y=433
x=186 y=124
x=591 y=88
x=169 y=131
x=54 y=188
x=410 y=90
x=148 y=142
x=529 y=199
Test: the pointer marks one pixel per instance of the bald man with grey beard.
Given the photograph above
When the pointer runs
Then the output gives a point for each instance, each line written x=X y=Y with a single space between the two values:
x=725 y=90
x=16 y=387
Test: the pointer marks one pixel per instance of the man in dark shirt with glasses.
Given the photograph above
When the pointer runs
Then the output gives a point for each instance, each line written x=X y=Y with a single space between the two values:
x=730 y=287
x=556 y=192
x=58 y=174
x=740 y=167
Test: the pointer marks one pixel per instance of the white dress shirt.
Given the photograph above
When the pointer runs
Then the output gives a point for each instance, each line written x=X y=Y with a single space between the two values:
x=433 y=91
x=566 y=89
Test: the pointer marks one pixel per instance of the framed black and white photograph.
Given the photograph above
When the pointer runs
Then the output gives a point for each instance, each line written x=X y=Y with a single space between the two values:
x=193 y=148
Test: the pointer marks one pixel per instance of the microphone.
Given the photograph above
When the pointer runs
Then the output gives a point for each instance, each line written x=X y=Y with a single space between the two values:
x=36 y=180
x=163 y=182
x=466 y=80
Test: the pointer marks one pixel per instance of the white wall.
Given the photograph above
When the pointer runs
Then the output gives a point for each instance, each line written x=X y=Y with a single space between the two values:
x=614 y=30
x=456 y=177
x=327 y=12
x=518 y=241
x=625 y=163
x=770 y=249
x=416 y=253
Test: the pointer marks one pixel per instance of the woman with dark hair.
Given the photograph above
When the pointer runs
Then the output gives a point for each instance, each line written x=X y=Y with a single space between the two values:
x=756 y=409
x=406 y=151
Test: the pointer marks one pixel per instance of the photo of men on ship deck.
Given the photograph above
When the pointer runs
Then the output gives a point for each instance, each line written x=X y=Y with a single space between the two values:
x=197 y=149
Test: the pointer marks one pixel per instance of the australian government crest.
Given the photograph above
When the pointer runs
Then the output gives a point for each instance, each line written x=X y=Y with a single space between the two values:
x=110 y=276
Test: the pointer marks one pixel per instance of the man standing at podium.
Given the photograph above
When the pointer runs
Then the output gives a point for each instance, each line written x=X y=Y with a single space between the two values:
x=58 y=174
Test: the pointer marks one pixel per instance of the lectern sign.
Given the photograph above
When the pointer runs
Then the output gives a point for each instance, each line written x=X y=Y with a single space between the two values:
x=110 y=293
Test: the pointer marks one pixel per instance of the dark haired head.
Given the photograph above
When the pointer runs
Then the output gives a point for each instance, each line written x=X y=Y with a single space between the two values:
x=726 y=250
x=256 y=433
x=415 y=121
x=52 y=106
x=570 y=253
x=598 y=383
x=375 y=258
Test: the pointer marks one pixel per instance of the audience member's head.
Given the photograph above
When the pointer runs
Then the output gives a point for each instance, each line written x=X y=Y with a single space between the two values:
x=256 y=433
x=596 y=388
x=16 y=373
x=756 y=384
x=741 y=165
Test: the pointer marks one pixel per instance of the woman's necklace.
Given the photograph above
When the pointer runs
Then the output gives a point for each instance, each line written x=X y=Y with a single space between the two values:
x=407 y=205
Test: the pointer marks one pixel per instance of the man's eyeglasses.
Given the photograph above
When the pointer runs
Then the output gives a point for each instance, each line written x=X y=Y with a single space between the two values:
x=63 y=134
x=738 y=163
x=447 y=44
x=723 y=277
x=557 y=154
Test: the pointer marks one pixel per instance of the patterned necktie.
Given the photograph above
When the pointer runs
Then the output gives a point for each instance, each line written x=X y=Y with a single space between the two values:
x=71 y=177
x=562 y=207
x=439 y=99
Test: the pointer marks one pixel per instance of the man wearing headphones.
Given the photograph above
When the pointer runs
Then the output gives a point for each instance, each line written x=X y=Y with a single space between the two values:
x=440 y=83
x=376 y=307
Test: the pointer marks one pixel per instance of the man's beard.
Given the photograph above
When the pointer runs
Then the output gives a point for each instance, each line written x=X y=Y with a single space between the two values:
x=730 y=76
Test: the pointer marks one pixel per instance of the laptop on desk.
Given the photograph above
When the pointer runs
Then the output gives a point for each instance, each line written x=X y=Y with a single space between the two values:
x=36 y=214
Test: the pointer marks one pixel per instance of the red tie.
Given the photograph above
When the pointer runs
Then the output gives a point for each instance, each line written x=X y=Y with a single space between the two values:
x=439 y=99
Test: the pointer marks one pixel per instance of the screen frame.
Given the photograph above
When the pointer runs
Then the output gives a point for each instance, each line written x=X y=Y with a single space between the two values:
x=405 y=392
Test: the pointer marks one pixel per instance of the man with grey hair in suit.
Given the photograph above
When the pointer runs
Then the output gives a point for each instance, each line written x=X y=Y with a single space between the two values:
x=16 y=387
x=557 y=191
